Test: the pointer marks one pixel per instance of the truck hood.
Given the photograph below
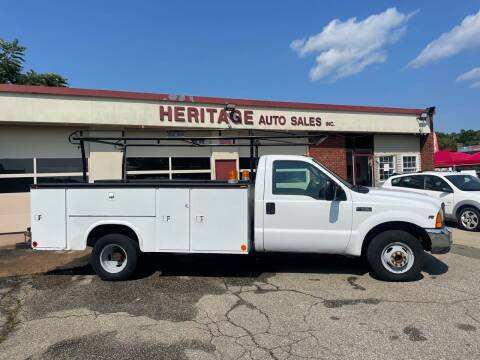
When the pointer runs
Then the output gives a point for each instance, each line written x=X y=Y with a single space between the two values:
x=395 y=196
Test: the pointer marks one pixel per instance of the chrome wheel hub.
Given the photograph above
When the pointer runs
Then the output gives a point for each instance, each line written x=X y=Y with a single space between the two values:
x=397 y=258
x=113 y=258
x=469 y=219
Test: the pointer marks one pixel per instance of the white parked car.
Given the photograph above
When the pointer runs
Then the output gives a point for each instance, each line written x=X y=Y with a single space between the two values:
x=459 y=192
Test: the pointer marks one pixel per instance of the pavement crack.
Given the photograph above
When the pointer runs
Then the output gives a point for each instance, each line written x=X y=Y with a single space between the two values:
x=472 y=317
x=454 y=289
x=10 y=307
x=352 y=280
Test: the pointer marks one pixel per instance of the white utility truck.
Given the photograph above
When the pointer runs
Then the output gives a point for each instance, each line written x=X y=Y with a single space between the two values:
x=294 y=205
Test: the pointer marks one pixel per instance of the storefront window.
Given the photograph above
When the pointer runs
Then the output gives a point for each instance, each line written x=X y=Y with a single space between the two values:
x=168 y=168
x=59 y=165
x=16 y=166
x=409 y=164
x=244 y=163
x=191 y=163
x=192 y=176
x=147 y=163
x=15 y=185
x=59 y=179
x=386 y=166
x=146 y=177
x=17 y=175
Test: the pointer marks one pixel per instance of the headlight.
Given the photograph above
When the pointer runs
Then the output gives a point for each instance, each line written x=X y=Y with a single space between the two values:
x=439 y=220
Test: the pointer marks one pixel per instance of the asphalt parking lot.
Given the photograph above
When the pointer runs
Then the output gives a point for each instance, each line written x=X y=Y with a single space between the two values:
x=218 y=307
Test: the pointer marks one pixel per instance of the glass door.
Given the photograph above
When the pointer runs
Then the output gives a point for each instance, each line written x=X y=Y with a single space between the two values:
x=363 y=169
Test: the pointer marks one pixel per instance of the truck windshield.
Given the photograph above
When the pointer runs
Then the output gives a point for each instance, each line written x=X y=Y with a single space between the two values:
x=344 y=182
x=465 y=182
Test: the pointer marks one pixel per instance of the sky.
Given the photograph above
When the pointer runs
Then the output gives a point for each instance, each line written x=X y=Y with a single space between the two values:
x=405 y=53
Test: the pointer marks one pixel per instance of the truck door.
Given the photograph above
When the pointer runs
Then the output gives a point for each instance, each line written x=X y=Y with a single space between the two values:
x=297 y=217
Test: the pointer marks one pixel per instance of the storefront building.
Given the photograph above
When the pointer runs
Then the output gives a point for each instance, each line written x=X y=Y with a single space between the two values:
x=363 y=144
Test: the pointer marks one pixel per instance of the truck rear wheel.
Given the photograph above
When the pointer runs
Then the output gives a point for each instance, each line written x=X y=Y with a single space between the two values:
x=114 y=257
x=396 y=255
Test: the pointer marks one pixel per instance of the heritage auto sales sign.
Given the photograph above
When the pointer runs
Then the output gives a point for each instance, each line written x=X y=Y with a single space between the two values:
x=216 y=117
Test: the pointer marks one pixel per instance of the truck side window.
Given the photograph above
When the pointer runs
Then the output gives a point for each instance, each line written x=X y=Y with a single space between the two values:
x=435 y=183
x=292 y=177
x=411 y=182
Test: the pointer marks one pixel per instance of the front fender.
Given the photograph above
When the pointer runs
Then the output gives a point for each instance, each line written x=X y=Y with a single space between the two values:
x=363 y=224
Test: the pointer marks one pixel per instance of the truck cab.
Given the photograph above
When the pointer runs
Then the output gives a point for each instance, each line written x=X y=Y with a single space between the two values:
x=295 y=205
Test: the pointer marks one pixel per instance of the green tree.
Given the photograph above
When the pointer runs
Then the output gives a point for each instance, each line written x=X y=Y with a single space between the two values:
x=469 y=137
x=12 y=58
x=45 y=79
x=450 y=141
x=446 y=141
x=11 y=61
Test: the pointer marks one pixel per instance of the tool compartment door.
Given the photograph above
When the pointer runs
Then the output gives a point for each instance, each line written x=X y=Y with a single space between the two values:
x=111 y=202
x=49 y=218
x=219 y=221
x=173 y=227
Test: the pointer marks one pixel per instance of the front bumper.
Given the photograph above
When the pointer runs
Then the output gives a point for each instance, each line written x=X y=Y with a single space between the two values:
x=441 y=240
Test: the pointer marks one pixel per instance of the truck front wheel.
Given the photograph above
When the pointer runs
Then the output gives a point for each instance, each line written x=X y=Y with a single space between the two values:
x=114 y=257
x=396 y=255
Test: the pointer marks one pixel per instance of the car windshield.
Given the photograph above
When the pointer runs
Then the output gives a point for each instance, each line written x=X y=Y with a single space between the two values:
x=344 y=182
x=465 y=182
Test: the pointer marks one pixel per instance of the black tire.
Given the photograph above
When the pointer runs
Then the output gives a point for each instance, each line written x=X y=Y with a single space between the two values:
x=119 y=243
x=476 y=218
x=401 y=240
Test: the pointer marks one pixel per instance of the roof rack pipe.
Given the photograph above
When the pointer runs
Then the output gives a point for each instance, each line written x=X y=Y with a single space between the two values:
x=193 y=138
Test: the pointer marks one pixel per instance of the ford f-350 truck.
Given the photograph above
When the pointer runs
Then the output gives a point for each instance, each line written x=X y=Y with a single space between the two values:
x=295 y=205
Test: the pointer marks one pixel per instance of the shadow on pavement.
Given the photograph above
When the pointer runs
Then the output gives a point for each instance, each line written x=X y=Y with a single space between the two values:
x=434 y=266
x=232 y=265
x=244 y=265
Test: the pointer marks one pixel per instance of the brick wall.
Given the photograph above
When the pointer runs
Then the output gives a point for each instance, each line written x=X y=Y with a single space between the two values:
x=332 y=153
x=427 y=149
x=426 y=152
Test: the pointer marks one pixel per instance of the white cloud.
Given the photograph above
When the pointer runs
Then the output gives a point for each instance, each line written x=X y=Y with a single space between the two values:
x=473 y=76
x=346 y=48
x=461 y=37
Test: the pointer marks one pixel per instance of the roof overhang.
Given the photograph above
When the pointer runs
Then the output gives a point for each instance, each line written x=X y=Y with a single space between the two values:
x=50 y=105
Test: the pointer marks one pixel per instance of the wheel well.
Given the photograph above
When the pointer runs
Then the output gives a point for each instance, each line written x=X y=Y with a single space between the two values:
x=102 y=230
x=457 y=214
x=413 y=229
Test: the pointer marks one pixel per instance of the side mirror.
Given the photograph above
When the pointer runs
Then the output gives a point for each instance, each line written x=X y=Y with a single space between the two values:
x=331 y=191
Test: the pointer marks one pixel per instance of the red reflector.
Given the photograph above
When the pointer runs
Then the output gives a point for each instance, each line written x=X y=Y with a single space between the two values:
x=34 y=244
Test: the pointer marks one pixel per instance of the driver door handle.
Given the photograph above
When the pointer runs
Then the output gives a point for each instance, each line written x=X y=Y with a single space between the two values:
x=270 y=208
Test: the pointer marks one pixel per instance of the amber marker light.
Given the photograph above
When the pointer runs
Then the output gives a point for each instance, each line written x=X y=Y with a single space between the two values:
x=232 y=176
x=439 y=220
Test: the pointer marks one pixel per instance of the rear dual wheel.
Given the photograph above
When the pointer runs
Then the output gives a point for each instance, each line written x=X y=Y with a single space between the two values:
x=114 y=257
x=396 y=255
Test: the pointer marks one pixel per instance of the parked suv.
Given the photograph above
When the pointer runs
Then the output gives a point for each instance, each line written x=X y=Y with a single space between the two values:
x=459 y=192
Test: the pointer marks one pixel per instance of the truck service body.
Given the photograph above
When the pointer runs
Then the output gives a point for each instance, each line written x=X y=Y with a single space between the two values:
x=294 y=205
